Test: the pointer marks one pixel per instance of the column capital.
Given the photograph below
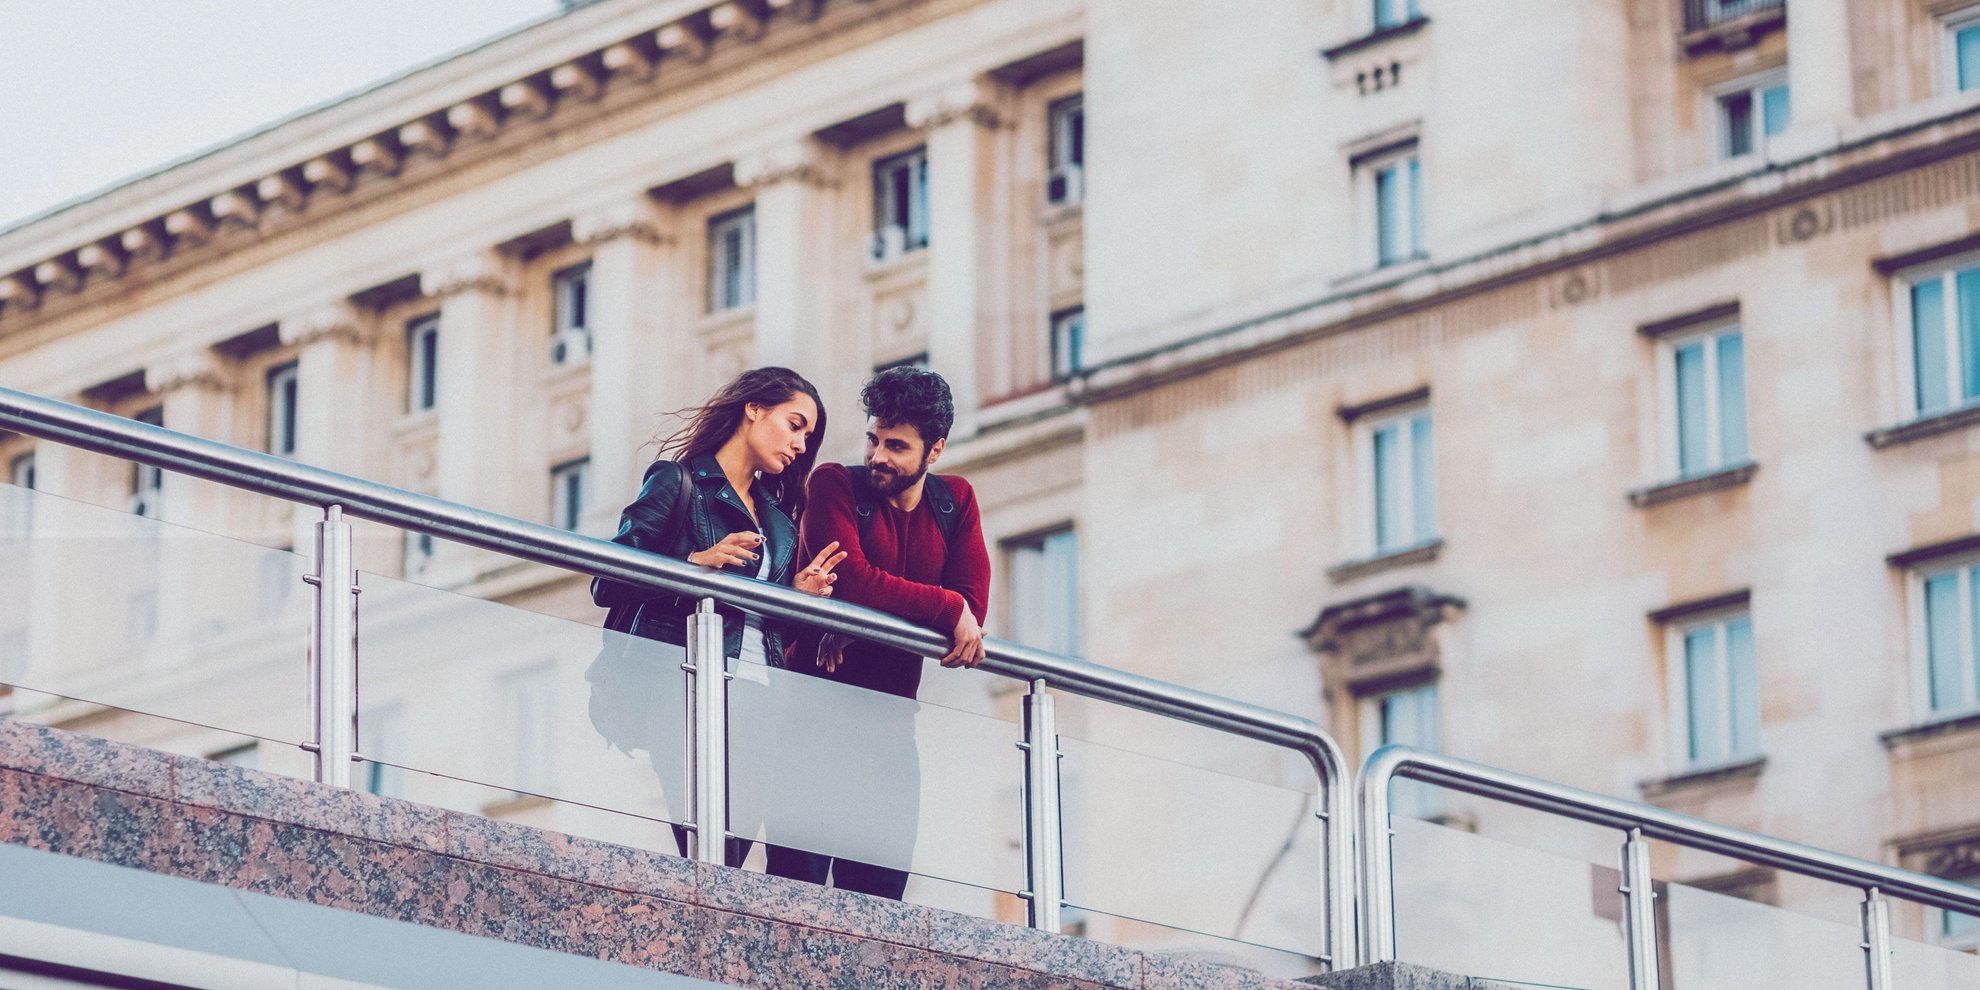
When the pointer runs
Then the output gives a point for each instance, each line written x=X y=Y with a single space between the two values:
x=973 y=100
x=200 y=369
x=635 y=219
x=482 y=271
x=801 y=160
x=331 y=321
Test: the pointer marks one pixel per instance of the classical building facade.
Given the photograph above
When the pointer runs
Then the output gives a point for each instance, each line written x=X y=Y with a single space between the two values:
x=1587 y=389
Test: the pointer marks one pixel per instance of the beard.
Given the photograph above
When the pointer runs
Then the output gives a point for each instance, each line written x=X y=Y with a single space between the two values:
x=887 y=482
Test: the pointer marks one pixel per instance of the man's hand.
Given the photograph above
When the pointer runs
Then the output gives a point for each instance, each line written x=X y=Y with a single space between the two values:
x=968 y=636
x=832 y=651
x=735 y=548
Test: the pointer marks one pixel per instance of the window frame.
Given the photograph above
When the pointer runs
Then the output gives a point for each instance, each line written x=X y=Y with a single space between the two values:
x=1755 y=86
x=1678 y=688
x=1410 y=11
x=566 y=509
x=1067 y=339
x=1368 y=468
x=147 y=481
x=20 y=467
x=743 y=220
x=1065 y=150
x=1946 y=271
x=1671 y=448
x=422 y=368
x=566 y=329
x=1412 y=800
x=886 y=206
x=1953 y=24
x=1042 y=542
x=282 y=410
x=1367 y=169
x=1968 y=676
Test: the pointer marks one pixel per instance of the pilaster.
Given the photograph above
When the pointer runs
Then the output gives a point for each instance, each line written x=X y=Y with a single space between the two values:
x=479 y=356
x=197 y=389
x=794 y=184
x=335 y=392
x=640 y=360
x=1820 y=91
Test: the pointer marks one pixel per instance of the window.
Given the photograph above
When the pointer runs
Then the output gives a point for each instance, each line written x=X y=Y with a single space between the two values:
x=900 y=204
x=530 y=703
x=1751 y=111
x=1950 y=598
x=1068 y=342
x=1393 y=187
x=571 y=335
x=423 y=363
x=1390 y=13
x=418 y=553
x=1963 y=36
x=567 y=493
x=1960 y=931
x=282 y=410
x=1403 y=717
x=147 y=482
x=1707 y=419
x=1402 y=488
x=1044 y=574
x=1945 y=338
x=20 y=471
x=1716 y=690
x=732 y=259
x=1065 y=152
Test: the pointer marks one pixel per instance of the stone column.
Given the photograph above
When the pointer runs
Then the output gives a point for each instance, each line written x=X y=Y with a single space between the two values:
x=1819 y=76
x=198 y=390
x=335 y=396
x=479 y=380
x=640 y=360
x=968 y=217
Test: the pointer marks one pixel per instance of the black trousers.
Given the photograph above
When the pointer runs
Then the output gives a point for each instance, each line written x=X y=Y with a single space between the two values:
x=846 y=874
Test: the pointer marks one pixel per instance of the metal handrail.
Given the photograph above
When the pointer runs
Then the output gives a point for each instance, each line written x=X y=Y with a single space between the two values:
x=279 y=477
x=1639 y=821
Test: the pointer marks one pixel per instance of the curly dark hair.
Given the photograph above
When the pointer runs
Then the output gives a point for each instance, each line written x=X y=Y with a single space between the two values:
x=915 y=396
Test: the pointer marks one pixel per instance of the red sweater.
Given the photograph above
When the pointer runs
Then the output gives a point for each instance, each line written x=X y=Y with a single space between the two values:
x=902 y=567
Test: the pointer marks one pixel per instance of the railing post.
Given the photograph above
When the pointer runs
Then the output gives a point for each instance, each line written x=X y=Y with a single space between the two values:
x=1044 y=862
x=1876 y=939
x=708 y=734
x=1640 y=912
x=333 y=651
x=1377 y=847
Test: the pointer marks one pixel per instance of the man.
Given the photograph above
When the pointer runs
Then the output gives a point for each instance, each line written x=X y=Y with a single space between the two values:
x=913 y=545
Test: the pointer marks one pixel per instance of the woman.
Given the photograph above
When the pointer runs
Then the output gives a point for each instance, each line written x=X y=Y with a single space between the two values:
x=728 y=500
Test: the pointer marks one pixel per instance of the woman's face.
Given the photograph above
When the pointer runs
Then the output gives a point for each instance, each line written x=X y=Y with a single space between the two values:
x=777 y=435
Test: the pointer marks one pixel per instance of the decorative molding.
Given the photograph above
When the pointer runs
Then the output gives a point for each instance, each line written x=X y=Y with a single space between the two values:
x=201 y=369
x=1671 y=491
x=282 y=189
x=144 y=243
x=680 y=39
x=1354 y=570
x=1954 y=725
x=426 y=136
x=629 y=219
x=1700 y=606
x=1934 y=551
x=972 y=100
x=1376 y=641
x=1744 y=771
x=1919 y=429
x=478 y=272
x=104 y=258
x=1366 y=41
x=576 y=79
x=473 y=118
x=235 y=206
x=332 y=321
x=58 y=274
x=734 y=18
x=628 y=60
x=190 y=227
x=1349 y=412
x=526 y=98
x=19 y=291
x=803 y=160
x=1954 y=854
x=1715 y=313
x=326 y=172
x=376 y=155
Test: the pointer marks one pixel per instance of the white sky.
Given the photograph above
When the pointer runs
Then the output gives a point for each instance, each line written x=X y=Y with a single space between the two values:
x=95 y=91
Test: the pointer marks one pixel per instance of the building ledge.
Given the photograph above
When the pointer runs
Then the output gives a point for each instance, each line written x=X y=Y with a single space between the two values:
x=1951 y=725
x=1700 y=777
x=1353 y=570
x=1669 y=491
x=1734 y=33
x=1919 y=429
x=1370 y=40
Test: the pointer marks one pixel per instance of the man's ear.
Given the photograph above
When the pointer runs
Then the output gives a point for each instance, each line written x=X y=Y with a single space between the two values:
x=935 y=451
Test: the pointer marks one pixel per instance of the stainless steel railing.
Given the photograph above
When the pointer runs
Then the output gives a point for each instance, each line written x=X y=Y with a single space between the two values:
x=1638 y=823
x=335 y=632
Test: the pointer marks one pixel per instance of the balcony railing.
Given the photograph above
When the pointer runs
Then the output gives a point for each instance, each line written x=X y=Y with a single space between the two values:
x=1702 y=14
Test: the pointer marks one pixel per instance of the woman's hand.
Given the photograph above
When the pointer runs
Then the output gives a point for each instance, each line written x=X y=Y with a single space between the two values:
x=817 y=579
x=735 y=548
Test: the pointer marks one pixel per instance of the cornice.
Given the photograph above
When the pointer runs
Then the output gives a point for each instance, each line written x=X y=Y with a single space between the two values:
x=301 y=164
x=331 y=321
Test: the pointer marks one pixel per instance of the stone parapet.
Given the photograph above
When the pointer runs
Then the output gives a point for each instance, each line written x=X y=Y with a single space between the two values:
x=128 y=806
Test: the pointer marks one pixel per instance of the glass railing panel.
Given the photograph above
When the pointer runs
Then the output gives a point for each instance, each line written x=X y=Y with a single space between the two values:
x=834 y=769
x=122 y=610
x=531 y=704
x=1189 y=948
x=1934 y=949
x=1483 y=908
x=1716 y=941
x=1189 y=848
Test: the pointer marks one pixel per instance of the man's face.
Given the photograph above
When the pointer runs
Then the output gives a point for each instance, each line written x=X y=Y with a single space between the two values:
x=896 y=457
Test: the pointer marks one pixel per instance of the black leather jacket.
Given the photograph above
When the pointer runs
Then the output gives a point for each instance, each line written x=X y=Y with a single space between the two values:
x=714 y=511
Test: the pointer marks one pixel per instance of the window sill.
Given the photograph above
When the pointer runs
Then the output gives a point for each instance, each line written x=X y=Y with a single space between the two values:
x=1669 y=491
x=1058 y=214
x=1734 y=33
x=1355 y=570
x=1376 y=37
x=1919 y=429
x=1383 y=276
x=1944 y=725
x=713 y=324
x=1700 y=777
x=877 y=268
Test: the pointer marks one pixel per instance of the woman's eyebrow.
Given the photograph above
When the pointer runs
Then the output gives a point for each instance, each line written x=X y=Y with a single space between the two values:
x=802 y=421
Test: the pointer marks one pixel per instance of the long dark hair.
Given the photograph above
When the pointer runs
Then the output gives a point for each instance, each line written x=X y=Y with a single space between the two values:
x=711 y=424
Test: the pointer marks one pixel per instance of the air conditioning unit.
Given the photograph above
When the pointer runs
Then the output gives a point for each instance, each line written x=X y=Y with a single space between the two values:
x=889 y=242
x=570 y=346
x=1066 y=185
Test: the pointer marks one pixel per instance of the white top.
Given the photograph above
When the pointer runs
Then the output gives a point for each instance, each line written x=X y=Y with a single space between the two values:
x=752 y=634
